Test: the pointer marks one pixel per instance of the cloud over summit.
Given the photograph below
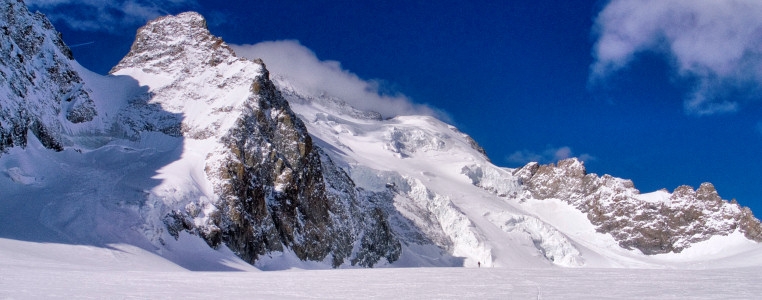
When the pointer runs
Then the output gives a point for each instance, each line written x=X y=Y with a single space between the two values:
x=287 y=58
x=716 y=44
x=299 y=64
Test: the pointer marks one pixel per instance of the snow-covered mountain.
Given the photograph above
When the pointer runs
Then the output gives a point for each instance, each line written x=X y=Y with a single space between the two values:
x=260 y=185
x=206 y=159
x=36 y=64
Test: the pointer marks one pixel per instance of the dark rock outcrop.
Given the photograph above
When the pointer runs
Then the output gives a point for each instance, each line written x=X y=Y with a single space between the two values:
x=39 y=89
x=276 y=196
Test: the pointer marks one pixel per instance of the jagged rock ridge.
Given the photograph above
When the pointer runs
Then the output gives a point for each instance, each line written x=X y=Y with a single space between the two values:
x=670 y=224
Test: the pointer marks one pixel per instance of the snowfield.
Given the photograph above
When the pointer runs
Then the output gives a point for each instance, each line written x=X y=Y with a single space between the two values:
x=54 y=271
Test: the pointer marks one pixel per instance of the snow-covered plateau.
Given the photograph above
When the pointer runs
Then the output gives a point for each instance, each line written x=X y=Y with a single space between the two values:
x=189 y=170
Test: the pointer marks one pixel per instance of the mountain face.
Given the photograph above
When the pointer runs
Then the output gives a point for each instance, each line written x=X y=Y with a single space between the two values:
x=271 y=189
x=186 y=141
x=41 y=92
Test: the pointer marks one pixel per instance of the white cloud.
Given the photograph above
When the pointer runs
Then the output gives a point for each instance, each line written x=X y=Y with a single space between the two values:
x=298 y=63
x=549 y=155
x=106 y=15
x=716 y=43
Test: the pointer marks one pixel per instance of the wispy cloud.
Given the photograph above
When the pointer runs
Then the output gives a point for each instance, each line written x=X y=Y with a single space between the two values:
x=106 y=15
x=716 y=44
x=300 y=64
x=549 y=155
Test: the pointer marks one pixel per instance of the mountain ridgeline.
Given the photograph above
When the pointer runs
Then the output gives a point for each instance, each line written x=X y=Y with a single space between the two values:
x=267 y=169
x=36 y=64
x=669 y=224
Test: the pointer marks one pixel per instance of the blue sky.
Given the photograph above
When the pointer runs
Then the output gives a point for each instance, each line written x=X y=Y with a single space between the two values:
x=661 y=92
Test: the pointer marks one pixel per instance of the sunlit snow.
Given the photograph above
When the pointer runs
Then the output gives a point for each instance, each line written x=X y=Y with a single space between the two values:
x=88 y=220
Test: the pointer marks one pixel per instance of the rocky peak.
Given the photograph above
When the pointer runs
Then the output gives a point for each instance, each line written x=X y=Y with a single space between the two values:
x=268 y=180
x=683 y=191
x=706 y=195
x=617 y=208
x=572 y=167
x=707 y=192
x=567 y=178
x=191 y=74
x=183 y=37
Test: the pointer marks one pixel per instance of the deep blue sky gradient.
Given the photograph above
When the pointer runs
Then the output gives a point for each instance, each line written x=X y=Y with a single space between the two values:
x=512 y=74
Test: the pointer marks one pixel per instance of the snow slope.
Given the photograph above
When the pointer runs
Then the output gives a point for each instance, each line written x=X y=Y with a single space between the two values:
x=483 y=210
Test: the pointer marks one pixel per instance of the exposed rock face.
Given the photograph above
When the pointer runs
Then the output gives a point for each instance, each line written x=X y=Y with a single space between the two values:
x=40 y=92
x=274 y=177
x=276 y=193
x=272 y=189
x=362 y=219
x=657 y=226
